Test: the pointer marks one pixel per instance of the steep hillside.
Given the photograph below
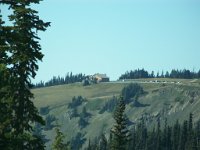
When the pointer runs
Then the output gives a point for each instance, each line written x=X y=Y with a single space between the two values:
x=172 y=99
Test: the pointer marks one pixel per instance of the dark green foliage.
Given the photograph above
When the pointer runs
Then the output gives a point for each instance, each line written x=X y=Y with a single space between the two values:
x=175 y=73
x=167 y=74
x=177 y=137
x=44 y=110
x=37 y=131
x=77 y=141
x=39 y=85
x=169 y=138
x=109 y=106
x=185 y=74
x=165 y=141
x=141 y=134
x=82 y=122
x=69 y=78
x=190 y=124
x=197 y=136
x=49 y=120
x=131 y=91
x=103 y=144
x=94 y=145
x=19 y=52
x=5 y=89
x=136 y=74
x=74 y=113
x=151 y=141
x=89 y=147
x=198 y=74
x=119 y=132
x=5 y=109
x=184 y=135
x=99 y=143
x=58 y=143
x=76 y=101
x=86 y=82
x=84 y=113
x=84 y=118
x=158 y=136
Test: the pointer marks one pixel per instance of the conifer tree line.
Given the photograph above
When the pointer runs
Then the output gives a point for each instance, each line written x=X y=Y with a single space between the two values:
x=69 y=78
x=175 y=73
x=136 y=74
x=179 y=136
x=19 y=53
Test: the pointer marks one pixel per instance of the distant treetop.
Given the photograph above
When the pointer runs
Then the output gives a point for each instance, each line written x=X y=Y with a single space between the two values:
x=175 y=73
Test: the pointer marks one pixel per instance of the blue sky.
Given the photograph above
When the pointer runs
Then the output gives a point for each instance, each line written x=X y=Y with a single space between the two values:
x=113 y=36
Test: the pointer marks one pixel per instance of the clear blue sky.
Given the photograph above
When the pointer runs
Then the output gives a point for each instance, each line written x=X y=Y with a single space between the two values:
x=113 y=36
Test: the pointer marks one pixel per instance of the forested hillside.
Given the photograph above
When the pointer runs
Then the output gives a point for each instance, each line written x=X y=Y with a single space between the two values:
x=85 y=114
x=138 y=110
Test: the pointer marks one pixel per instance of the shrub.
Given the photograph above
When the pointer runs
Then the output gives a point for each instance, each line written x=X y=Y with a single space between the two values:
x=133 y=90
x=44 y=110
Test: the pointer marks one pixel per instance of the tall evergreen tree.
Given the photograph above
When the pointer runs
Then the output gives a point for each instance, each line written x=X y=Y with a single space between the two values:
x=151 y=143
x=184 y=136
x=197 y=136
x=190 y=142
x=169 y=138
x=5 y=88
x=58 y=143
x=164 y=137
x=21 y=65
x=5 y=109
x=103 y=144
x=176 y=136
x=141 y=141
x=119 y=132
x=158 y=136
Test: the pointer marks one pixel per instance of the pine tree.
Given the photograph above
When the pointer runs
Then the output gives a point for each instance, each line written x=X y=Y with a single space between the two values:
x=176 y=136
x=158 y=136
x=190 y=125
x=119 y=132
x=190 y=142
x=164 y=136
x=169 y=138
x=89 y=147
x=167 y=75
x=103 y=142
x=21 y=65
x=141 y=141
x=133 y=139
x=197 y=135
x=78 y=141
x=58 y=143
x=184 y=136
x=5 y=88
x=151 y=143
x=5 y=109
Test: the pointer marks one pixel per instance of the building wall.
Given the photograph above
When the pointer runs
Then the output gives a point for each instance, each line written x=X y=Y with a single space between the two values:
x=104 y=80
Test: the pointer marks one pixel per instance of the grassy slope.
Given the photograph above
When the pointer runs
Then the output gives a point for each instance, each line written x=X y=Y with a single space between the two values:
x=57 y=95
x=174 y=101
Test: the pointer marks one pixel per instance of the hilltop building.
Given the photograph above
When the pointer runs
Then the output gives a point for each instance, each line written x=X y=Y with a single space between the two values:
x=96 y=78
x=101 y=77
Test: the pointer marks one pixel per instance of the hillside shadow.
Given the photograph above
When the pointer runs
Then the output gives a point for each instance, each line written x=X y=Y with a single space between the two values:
x=136 y=103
